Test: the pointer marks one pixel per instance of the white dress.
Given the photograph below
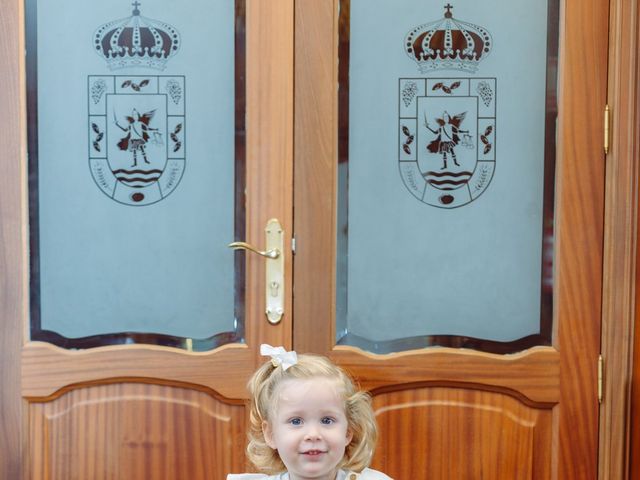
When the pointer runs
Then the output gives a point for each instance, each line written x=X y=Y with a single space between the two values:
x=366 y=474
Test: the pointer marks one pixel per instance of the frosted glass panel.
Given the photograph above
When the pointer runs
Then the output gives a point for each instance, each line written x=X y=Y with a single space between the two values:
x=134 y=170
x=446 y=177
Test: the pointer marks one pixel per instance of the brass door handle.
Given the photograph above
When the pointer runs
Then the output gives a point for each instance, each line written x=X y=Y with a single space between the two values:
x=274 y=281
x=273 y=253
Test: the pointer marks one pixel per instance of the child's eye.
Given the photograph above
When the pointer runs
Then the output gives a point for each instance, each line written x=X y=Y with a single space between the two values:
x=295 y=421
x=327 y=420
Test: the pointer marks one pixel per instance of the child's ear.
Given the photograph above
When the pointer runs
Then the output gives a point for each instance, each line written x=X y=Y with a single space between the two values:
x=268 y=434
x=349 y=437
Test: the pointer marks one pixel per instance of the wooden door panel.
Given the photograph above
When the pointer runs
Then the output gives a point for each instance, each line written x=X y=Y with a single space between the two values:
x=135 y=431
x=464 y=431
x=147 y=411
x=544 y=398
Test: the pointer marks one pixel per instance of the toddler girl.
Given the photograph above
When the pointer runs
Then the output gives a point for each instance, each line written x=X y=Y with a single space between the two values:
x=308 y=421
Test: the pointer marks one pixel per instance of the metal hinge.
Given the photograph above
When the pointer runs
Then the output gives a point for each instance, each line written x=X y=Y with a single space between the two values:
x=607 y=132
x=600 y=378
x=293 y=245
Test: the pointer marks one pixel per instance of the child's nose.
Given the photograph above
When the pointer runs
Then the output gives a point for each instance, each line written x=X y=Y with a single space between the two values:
x=312 y=433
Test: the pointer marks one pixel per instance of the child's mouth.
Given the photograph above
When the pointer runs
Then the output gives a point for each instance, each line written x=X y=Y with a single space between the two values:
x=313 y=453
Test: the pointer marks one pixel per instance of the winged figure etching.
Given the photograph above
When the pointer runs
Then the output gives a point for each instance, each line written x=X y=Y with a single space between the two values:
x=447 y=134
x=138 y=132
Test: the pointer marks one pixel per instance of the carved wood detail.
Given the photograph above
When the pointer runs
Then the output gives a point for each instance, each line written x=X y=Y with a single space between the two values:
x=47 y=368
x=135 y=431
x=468 y=434
x=534 y=374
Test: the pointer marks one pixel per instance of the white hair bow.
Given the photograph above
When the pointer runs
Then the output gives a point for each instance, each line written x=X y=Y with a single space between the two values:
x=279 y=356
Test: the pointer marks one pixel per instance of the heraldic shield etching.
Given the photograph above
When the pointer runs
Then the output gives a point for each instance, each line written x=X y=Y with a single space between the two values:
x=136 y=122
x=447 y=125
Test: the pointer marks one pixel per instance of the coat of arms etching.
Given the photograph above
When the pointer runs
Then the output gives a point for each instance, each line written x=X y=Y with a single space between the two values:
x=136 y=122
x=447 y=125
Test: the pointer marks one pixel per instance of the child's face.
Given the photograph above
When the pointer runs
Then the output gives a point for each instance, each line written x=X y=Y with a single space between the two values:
x=309 y=428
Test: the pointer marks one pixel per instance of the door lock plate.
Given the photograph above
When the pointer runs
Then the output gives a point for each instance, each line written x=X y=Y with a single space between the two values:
x=274 y=281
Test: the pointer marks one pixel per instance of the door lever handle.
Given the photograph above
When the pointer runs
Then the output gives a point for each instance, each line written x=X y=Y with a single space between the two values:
x=274 y=271
x=273 y=253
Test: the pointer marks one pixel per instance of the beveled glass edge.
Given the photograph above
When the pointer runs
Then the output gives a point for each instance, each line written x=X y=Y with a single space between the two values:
x=31 y=66
x=548 y=202
x=240 y=209
x=342 y=242
x=139 y=338
x=119 y=338
x=450 y=341
x=544 y=337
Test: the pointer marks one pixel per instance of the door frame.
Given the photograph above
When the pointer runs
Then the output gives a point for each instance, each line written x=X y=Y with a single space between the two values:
x=13 y=215
x=620 y=239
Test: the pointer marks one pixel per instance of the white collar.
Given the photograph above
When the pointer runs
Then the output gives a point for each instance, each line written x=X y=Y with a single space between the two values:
x=342 y=475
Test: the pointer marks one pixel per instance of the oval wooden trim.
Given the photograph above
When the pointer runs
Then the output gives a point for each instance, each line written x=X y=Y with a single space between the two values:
x=137 y=380
x=536 y=351
x=535 y=372
x=46 y=369
x=465 y=386
x=139 y=338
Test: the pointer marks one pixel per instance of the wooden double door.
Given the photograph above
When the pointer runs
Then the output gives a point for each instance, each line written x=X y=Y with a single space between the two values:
x=450 y=407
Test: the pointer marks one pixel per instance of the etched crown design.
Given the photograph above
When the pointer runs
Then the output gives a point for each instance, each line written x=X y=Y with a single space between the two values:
x=448 y=44
x=136 y=41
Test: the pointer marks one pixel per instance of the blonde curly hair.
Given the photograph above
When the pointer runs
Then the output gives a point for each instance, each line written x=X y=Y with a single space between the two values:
x=264 y=385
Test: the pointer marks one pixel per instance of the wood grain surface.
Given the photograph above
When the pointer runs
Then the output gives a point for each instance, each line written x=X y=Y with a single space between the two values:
x=47 y=370
x=269 y=157
x=315 y=173
x=579 y=232
x=620 y=298
x=124 y=412
x=137 y=432
x=12 y=236
x=465 y=434
x=532 y=375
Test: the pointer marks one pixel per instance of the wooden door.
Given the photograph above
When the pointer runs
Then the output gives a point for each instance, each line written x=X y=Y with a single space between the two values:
x=140 y=409
x=75 y=406
x=527 y=411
